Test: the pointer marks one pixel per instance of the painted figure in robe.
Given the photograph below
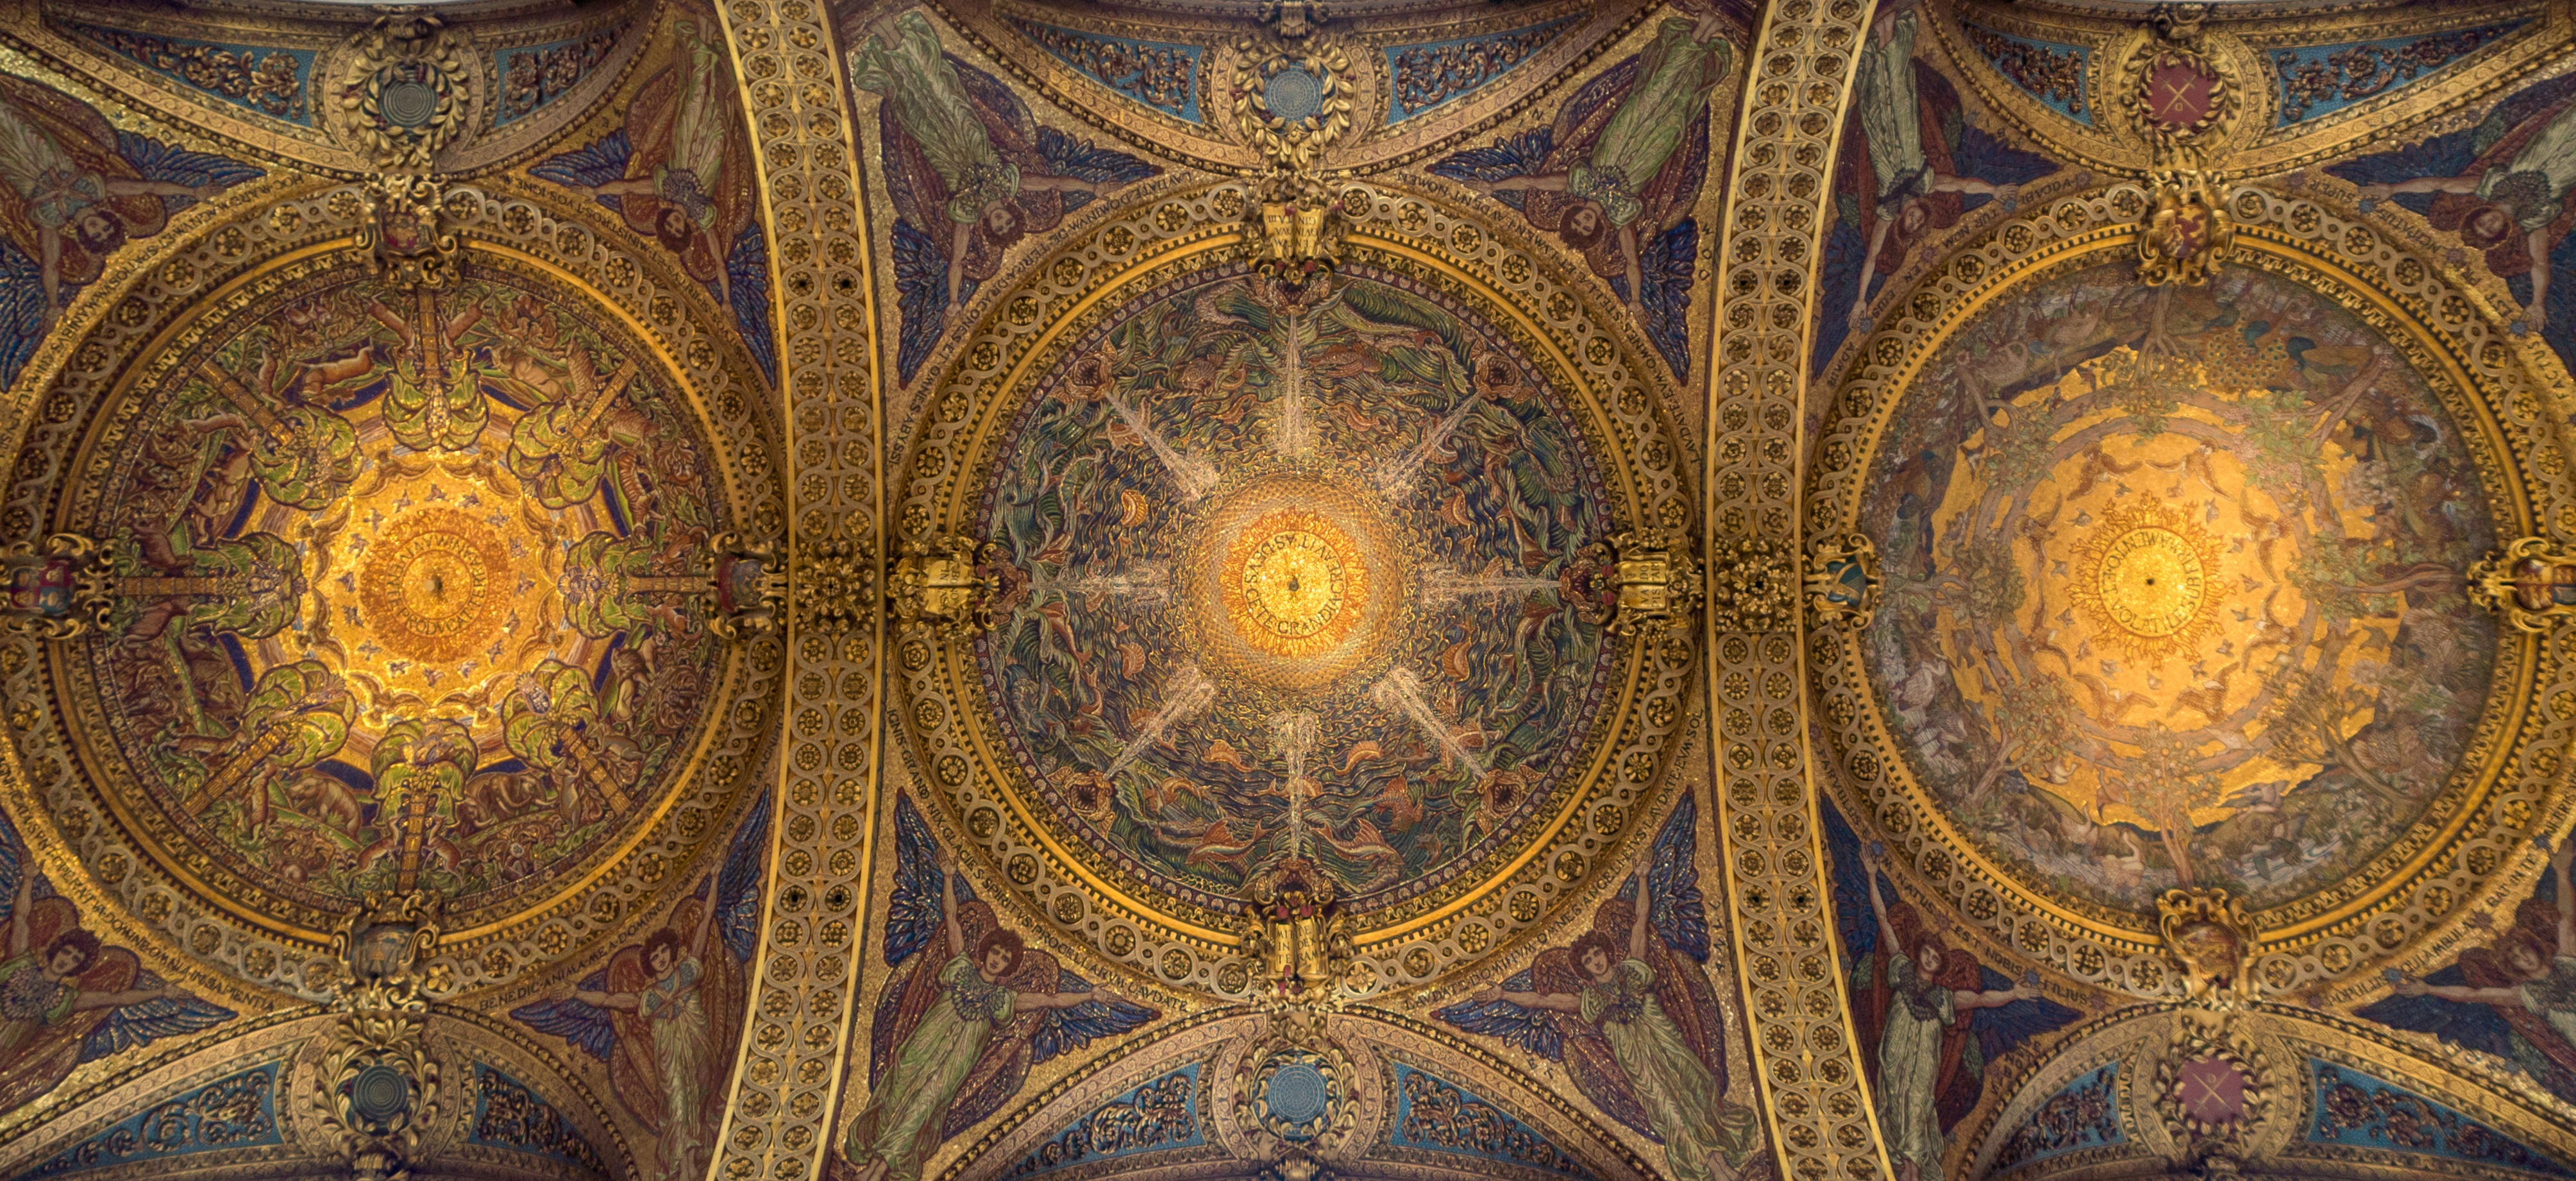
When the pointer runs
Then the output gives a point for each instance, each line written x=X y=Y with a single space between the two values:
x=1629 y=1010
x=971 y=1010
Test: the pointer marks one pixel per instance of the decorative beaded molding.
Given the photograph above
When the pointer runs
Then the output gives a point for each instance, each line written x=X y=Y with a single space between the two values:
x=1778 y=896
x=789 y=1071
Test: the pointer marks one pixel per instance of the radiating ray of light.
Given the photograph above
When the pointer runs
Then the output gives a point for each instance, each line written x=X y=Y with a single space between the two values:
x=1193 y=474
x=1442 y=587
x=1188 y=692
x=1294 y=735
x=1295 y=431
x=1148 y=584
x=1395 y=479
x=1399 y=691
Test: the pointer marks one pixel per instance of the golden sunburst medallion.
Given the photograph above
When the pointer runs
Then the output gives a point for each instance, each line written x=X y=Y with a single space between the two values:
x=2145 y=576
x=436 y=585
x=1294 y=583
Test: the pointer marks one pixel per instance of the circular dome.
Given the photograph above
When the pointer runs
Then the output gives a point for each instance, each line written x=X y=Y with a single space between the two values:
x=2173 y=589
x=1293 y=593
x=407 y=591
x=1283 y=588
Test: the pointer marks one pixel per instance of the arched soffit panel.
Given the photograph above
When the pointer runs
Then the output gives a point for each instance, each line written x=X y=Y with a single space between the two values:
x=2277 y=1091
x=1169 y=82
x=239 y=1104
x=2095 y=684
x=424 y=524
x=2253 y=93
x=1205 y=1097
x=322 y=86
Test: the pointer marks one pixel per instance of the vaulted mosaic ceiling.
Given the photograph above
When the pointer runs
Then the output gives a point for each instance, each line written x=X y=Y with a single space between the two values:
x=1395 y=590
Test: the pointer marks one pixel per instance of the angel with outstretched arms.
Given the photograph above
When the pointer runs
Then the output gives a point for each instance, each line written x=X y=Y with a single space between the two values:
x=65 y=999
x=2542 y=983
x=1622 y=183
x=1630 y=1012
x=663 y=1014
x=1924 y=1011
x=1901 y=175
x=953 y=1038
x=67 y=194
x=670 y=1002
x=2514 y=194
x=981 y=182
x=1619 y=999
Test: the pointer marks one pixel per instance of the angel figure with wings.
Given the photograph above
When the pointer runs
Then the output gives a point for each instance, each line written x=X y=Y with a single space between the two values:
x=959 y=1029
x=2511 y=200
x=1635 y=1023
x=688 y=182
x=664 y=1013
x=970 y=170
x=1616 y=176
x=66 y=999
x=71 y=196
x=1917 y=1001
x=2527 y=981
x=1915 y=164
x=1613 y=164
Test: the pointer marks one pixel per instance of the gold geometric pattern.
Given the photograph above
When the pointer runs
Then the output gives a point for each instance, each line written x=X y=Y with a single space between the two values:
x=436 y=585
x=1294 y=584
x=2145 y=577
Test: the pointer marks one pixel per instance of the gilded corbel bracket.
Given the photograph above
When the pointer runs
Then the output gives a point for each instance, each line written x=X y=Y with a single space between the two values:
x=747 y=594
x=2531 y=583
x=2210 y=939
x=405 y=231
x=1634 y=582
x=2185 y=233
x=938 y=584
x=59 y=588
x=1843 y=581
x=1302 y=939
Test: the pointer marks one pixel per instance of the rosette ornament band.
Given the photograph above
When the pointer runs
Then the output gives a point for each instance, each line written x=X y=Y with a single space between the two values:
x=1778 y=899
x=826 y=614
